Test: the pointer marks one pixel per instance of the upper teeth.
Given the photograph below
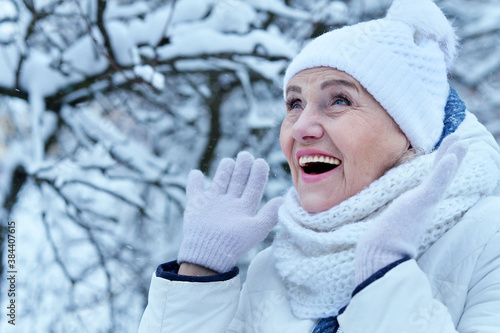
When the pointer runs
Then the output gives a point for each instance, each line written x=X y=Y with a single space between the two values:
x=303 y=160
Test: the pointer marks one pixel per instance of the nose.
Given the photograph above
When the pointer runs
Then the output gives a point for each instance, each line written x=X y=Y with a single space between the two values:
x=308 y=128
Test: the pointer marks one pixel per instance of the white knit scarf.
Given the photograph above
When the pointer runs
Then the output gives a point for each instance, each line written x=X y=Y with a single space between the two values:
x=314 y=253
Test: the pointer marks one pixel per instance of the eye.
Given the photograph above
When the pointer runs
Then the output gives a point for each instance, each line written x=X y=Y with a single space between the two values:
x=341 y=100
x=293 y=104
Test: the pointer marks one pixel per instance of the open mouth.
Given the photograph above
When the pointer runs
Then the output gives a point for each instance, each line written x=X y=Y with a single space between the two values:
x=318 y=164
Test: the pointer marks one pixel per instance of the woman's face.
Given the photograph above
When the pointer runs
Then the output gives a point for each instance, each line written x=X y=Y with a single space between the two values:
x=336 y=137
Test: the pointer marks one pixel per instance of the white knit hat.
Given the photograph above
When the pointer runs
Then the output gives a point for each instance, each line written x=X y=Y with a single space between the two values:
x=402 y=60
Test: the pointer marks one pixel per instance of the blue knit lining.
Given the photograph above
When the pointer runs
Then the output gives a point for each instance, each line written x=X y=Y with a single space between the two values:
x=454 y=114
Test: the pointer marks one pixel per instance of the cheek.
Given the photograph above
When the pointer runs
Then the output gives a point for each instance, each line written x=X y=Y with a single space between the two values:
x=369 y=149
x=286 y=140
x=378 y=157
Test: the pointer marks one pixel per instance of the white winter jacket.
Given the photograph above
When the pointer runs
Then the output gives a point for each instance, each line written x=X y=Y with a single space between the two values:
x=453 y=287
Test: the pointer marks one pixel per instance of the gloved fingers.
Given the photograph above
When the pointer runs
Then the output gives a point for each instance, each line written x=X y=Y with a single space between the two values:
x=222 y=177
x=255 y=186
x=434 y=187
x=194 y=184
x=446 y=165
x=458 y=149
x=411 y=207
x=242 y=168
x=444 y=170
x=268 y=215
x=448 y=142
x=261 y=224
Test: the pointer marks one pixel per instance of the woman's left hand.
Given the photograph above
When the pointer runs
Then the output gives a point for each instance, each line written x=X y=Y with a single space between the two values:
x=395 y=234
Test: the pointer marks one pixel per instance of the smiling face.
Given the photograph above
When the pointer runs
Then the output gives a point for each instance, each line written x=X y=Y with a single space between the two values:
x=336 y=137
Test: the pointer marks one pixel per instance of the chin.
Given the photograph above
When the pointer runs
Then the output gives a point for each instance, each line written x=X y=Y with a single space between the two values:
x=314 y=204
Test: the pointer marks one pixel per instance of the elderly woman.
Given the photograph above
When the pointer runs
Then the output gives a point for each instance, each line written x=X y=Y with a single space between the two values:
x=392 y=224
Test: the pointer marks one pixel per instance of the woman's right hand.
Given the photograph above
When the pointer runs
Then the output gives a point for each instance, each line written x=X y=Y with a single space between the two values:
x=222 y=223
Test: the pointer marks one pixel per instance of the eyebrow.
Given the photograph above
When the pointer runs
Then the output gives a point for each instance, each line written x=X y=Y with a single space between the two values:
x=325 y=85
x=293 y=88
x=338 y=82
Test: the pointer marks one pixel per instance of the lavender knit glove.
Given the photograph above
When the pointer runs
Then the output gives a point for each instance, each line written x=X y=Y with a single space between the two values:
x=221 y=224
x=395 y=234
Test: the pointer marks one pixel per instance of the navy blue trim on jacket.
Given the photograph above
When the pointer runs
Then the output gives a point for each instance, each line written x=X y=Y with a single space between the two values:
x=170 y=271
x=327 y=325
x=331 y=324
x=377 y=275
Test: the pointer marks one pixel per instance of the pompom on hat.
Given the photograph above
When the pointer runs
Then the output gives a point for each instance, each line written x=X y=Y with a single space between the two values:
x=402 y=60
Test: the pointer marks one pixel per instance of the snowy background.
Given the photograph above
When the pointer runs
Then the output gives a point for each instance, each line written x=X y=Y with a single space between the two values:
x=106 y=105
